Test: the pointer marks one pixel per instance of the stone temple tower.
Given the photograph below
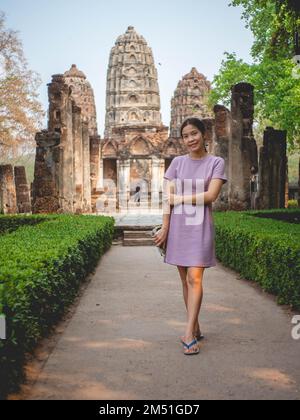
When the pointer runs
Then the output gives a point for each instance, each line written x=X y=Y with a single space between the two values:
x=132 y=95
x=83 y=96
x=68 y=152
x=189 y=100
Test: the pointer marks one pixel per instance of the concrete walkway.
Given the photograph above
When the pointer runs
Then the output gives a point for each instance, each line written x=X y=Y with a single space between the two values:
x=122 y=342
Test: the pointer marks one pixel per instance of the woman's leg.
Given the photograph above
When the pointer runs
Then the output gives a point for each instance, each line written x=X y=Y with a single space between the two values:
x=183 y=276
x=195 y=296
x=183 y=271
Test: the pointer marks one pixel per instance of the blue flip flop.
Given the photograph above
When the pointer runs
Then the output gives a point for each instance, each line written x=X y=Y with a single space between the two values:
x=188 y=346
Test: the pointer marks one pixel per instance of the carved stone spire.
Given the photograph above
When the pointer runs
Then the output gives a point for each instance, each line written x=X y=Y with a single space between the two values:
x=132 y=96
x=83 y=95
x=189 y=100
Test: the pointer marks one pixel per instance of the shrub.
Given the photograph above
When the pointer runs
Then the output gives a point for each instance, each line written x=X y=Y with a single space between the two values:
x=41 y=269
x=264 y=250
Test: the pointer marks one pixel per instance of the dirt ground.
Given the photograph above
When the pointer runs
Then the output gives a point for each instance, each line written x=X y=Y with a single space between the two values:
x=120 y=339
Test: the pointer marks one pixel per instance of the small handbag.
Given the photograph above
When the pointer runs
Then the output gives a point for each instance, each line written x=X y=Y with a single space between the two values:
x=161 y=249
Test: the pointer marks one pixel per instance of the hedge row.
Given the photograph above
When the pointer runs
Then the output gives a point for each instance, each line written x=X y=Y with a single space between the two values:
x=41 y=268
x=11 y=223
x=264 y=250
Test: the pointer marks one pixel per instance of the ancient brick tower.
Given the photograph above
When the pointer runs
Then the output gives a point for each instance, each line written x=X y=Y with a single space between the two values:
x=135 y=144
x=189 y=100
x=68 y=152
x=83 y=96
x=132 y=93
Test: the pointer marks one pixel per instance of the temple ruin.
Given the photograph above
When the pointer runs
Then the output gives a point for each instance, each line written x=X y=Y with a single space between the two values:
x=77 y=171
x=14 y=190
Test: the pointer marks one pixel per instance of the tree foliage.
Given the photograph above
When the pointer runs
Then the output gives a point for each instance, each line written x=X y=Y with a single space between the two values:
x=272 y=73
x=273 y=24
x=20 y=111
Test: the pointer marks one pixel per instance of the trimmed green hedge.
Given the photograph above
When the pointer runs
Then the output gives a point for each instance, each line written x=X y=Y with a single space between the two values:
x=41 y=268
x=11 y=223
x=264 y=250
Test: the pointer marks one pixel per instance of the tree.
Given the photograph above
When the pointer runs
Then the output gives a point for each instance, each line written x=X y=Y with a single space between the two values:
x=277 y=90
x=21 y=113
x=273 y=23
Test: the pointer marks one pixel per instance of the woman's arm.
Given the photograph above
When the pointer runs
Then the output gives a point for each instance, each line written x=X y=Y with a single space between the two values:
x=205 y=198
x=168 y=191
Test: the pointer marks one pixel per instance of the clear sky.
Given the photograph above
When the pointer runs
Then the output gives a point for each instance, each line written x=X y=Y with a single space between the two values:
x=182 y=34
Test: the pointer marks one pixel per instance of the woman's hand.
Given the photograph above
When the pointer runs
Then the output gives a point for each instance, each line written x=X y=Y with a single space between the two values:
x=161 y=237
x=175 y=199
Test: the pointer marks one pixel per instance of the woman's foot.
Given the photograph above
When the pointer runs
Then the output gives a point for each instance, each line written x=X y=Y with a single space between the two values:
x=190 y=346
x=196 y=334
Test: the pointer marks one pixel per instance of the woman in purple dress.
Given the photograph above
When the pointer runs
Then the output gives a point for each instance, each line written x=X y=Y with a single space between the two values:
x=192 y=183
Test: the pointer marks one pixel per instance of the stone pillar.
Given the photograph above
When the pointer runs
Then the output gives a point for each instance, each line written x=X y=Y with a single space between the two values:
x=162 y=172
x=46 y=183
x=78 y=159
x=8 y=198
x=155 y=183
x=254 y=190
x=222 y=140
x=94 y=166
x=94 y=161
x=87 y=195
x=101 y=175
x=272 y=170
x=68 y=190
x=286 y=204
x=209 y=124
x=22 y=190
x=61 y=121
x=123 y=183
x=242 y=148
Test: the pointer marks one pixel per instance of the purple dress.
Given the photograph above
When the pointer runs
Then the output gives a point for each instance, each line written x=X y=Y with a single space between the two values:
x=191 y=238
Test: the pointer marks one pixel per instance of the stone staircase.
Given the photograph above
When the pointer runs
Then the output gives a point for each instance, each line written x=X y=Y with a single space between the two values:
x=138 y=238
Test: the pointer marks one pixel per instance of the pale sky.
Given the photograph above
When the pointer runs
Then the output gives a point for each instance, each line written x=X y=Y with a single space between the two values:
x=182 y=35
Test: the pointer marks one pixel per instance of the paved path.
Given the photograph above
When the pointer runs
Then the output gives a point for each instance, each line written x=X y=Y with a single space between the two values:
x=122 y=342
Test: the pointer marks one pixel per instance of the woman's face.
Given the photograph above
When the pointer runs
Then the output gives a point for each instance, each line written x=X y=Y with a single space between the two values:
x=193 y=139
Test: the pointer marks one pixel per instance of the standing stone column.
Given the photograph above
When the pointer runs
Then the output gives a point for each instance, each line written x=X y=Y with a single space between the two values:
x=94 y=161
x=8 y=198
x=78 y=159
x=46 y=183
x=209 y=124
x=162 y=171
x=100 y=183
x=94 y=166
x=155 y=183
x=242 y=148
x=124 y=183
x=61 y=121
x=222 y=140
x=68 y=190
x=87 y=197
x=22 y=190
x=272 y=170
x=287 y=191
